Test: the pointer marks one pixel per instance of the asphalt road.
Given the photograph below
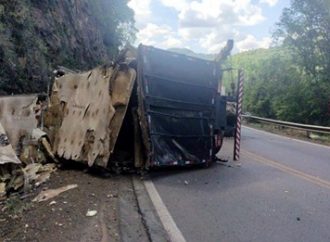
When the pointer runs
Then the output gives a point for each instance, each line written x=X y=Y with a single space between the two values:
x=280 y=192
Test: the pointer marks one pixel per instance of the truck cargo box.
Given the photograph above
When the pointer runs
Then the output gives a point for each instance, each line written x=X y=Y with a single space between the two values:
x=177 y=107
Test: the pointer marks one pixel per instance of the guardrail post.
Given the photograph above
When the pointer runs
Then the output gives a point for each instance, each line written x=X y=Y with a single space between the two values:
x=240 y=91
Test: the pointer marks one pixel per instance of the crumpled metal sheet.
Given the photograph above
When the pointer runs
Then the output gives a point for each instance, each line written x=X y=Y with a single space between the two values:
x=18 y=116
x=7 y=153
x=86 y=112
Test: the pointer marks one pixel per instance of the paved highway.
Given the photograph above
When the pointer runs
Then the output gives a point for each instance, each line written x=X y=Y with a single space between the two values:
x=280 y=192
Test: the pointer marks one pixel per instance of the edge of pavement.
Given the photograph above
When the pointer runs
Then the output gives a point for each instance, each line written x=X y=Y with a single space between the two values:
x=150 y=217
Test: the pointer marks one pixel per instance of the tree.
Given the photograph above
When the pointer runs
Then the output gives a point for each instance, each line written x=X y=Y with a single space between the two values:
x=304 y=27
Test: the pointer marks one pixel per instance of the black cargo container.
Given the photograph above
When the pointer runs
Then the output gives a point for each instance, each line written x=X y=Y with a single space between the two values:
x=182 y=115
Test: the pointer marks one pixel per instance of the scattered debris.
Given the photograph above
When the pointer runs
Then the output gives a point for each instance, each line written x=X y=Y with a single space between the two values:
x=91 y=213
x=36 y=174
x=2 y=191
x=48 y=194
x=219 y=161
x=18 y=116
x=37 y=134
x=48 y=148
x=227 y=164
x=40 y=136
x=58 y=224
x=15 y=174
x=52 y=203
x=44 y=173
x=7 y=153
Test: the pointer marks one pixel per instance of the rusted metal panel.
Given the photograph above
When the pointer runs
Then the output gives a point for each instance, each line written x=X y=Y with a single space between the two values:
x=86 y=112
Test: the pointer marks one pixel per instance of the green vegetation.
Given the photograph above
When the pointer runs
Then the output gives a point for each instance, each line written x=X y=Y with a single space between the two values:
x=38 y=35
x=292 y=81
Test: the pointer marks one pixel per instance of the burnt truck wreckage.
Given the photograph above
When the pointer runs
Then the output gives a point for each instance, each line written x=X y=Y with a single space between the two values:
x=157 y=109
x=180 y=108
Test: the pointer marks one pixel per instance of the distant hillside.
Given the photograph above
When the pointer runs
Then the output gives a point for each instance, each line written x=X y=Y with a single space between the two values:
x=250 y=61
x=276 y=87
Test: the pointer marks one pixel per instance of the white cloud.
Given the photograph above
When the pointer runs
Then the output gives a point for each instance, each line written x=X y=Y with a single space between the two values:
x=202 y=24
x=161 y=35
x=151 y=32
x=140 y=7
x=269 y=2
x=178 y=5
x=217 y=38
x=142 y=11
x=252 y=16
x=193 y=33
x=250 y=43
x=208 y=13
x=212 y=22
x=171 y=42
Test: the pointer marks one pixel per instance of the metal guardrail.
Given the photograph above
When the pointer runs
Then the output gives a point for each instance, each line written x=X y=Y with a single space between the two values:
x=305 y=127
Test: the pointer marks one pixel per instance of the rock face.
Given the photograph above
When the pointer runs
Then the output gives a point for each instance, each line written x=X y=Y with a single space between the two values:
x=38 y=35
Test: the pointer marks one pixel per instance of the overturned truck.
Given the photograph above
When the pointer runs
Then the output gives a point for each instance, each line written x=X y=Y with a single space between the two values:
x=159 y=109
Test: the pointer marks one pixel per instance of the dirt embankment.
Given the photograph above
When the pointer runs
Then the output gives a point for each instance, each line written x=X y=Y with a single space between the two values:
x=63 y=218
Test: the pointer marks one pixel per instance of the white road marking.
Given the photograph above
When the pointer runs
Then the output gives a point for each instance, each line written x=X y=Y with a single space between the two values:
x=285 y=137
x=164 y=215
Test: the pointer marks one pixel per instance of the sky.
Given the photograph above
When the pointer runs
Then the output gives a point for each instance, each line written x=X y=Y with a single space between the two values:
x=204 y=26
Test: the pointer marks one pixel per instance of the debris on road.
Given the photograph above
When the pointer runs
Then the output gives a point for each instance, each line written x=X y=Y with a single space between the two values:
x=18 y=178
x=91 y=213
x=2 y=191
x=7 y=153
x=51 y=193
x=69 y=210
x=18 y=116
x=220 y=161
x=24 y=148
x=52 y=203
